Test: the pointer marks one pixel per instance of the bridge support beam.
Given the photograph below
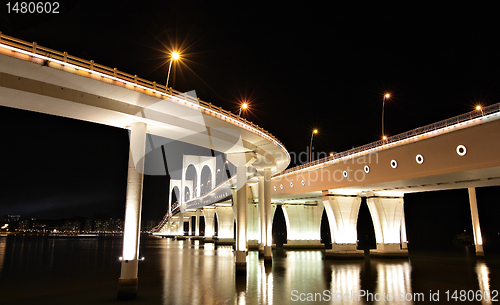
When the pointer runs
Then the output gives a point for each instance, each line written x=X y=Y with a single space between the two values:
x=262 y=218
x=478 y=239
x=303 y=225
x=241 y=220
x=268 y=218
x=387 y=216
x=190 y=230
x=181 y=225
x=225 y=220
x=128 y=282
x=197 y=223
x=209 y=213
x=342 y=212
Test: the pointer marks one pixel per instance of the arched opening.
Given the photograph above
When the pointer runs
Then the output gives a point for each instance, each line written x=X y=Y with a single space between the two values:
x=326 y=237
x=366 y=231
x=187 y=193
x=191 y=176
x=174 y=201
x=206 y=180
x=279 y=227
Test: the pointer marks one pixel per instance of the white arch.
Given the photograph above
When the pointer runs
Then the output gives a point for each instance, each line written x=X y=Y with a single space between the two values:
x=198 y=162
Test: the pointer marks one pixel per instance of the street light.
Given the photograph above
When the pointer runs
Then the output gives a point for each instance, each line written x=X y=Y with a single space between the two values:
x=310 y=147
x=175 y=56
x=387 y=95
x=478 y=107
x=243 y=106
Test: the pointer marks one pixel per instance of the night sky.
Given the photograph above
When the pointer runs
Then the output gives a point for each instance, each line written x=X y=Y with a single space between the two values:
x=300 y=66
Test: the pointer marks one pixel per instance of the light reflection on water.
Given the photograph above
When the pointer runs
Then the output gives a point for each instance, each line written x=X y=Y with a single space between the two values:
x=193 y=272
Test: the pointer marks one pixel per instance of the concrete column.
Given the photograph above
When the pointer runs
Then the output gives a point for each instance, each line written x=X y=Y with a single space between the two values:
x=303 y=224
x=241 y=220
x=181 y=224
x=404 y=240
x=386 y=215
x=225 y=220
x=268 y=214
x=190 y=231
x=197 y=223
x=342 y=212
x=128 y=282
x=209 y=213
x=478 y=239
x=262 y=219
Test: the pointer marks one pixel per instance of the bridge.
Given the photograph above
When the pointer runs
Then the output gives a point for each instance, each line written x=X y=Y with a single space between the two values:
x=461 y=152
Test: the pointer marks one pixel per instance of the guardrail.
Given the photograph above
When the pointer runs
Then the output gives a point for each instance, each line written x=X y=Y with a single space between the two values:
x=402 y=136
x=64 y=58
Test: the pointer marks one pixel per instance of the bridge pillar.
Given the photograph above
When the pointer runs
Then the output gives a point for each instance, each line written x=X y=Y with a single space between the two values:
x=197 y=223
x=253 y=232
x=128 y=282
x=241 y=220
x=262 y=218
x=225 y=220
x=386 y=215
x=209 y=213
x=404 y=240
x=268 y=218
x=303 y=224
x=478 y=239
x=342 y=212
x=181 y=224
x=190 y=231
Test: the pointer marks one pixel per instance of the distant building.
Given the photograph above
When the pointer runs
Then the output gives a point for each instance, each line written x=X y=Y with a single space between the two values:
x=11 y=218
x=150 y=224
x=39 y=226
x=72 y=226
x=24 y=225
x=87 y=228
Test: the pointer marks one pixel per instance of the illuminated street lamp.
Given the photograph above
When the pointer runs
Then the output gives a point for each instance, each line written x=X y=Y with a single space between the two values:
x=175 y=56
x=310 y=147
x=386 y=96
x=243 y=106
x=478 y=107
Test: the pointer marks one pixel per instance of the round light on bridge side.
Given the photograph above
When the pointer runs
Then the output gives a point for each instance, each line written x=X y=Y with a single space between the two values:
x=275 y=188
x=394 y=163
x=281 y=186
x=303 y=182
x=367 y=169
x=419 y=158
x=291 y=184
x=461 y=150
x=345 y=174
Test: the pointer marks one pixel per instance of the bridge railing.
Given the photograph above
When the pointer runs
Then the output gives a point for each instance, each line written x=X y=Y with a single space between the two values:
x=402 y=136
x=114 y=73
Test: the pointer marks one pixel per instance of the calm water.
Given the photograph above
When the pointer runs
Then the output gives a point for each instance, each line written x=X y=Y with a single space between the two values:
x=38 y=270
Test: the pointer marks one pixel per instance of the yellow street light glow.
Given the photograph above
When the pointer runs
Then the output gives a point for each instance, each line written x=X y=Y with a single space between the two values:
x=175 y=55
x=244 y=106
x=478 y=107
x=384 y=137
x=387 y=95
x=315 y=131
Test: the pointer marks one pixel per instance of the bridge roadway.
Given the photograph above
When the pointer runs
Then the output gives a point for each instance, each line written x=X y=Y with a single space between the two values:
x=39 y=79
x=460 y=152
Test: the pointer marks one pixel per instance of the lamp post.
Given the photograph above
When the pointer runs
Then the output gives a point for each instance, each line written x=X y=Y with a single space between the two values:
x=479 y=108
x=243 y=106
x=175 y=56
x=386 y=96
x=310 y=147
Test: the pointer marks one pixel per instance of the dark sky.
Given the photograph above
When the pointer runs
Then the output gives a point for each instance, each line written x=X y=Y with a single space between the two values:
x=302 y=66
